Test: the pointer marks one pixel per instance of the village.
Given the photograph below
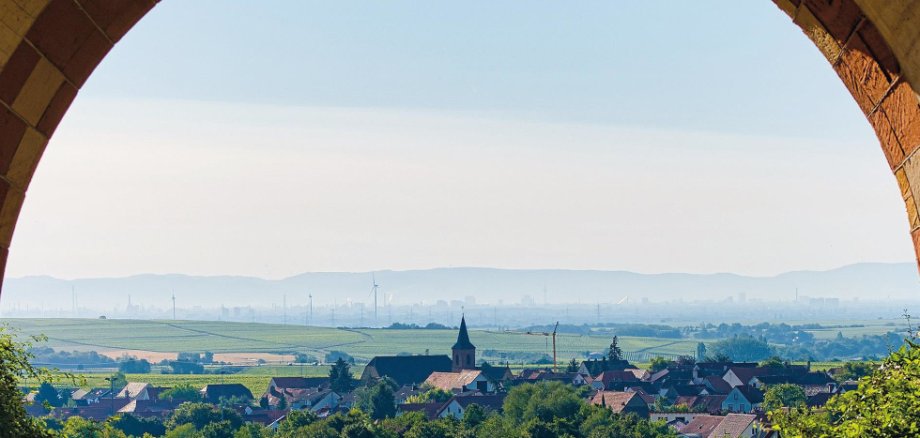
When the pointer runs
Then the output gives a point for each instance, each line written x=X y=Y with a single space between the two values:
x=691 y=397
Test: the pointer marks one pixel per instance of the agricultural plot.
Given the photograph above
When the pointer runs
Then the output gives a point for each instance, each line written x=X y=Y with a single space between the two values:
x=229 y=337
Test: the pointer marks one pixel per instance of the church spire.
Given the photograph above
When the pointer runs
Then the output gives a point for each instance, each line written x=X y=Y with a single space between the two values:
x=463 y=338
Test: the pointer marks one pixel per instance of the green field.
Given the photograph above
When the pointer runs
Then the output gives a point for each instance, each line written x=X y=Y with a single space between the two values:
x=230 y=337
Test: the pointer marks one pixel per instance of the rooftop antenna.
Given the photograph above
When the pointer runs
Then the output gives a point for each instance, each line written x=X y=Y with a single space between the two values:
x=311 y=310
x=174 y=305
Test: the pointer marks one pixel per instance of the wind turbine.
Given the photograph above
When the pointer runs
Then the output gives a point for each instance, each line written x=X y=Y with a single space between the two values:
x=374 y=291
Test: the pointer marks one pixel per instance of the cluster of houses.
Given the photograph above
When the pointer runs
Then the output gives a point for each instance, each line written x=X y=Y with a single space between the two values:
x=704 y=399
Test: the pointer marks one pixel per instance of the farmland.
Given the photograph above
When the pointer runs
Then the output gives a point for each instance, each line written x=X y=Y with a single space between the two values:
x=115 y=337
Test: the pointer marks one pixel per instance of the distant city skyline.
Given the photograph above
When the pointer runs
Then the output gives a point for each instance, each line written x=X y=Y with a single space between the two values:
x=352 y=136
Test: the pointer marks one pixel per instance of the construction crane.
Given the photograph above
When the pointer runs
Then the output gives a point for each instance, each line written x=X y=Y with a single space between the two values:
x=552 y=335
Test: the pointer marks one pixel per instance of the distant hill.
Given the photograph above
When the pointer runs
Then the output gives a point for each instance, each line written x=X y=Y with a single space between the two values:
x=864 y=280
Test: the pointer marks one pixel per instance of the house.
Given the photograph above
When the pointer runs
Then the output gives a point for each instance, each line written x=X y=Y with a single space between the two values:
x=462 y=381
x=214 y=393
x=818 y=400
x=406 y=391
x=701 y=370
x=742 y=399
x=595 y=367
x=86 y=397
x=669 y=417
x=405 y=370
x=279 y=384
x=622 y=402
x=738 y=376
x=497 y=375
x=729 y=426
x=812 y=383
x=716 y=385
x=711 y=404
x=316 y=400
x=457 y=405
x=613 y=380
x=430 y=409
x=139 y=391
x=546 y=375
x=148 y=408
x=262 y=416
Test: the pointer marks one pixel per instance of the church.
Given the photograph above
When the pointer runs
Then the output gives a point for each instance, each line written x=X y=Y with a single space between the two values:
x=408 y=370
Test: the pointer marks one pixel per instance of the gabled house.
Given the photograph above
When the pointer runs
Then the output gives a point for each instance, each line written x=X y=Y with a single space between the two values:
x=456 y=406
x=279 y=384
x=729 y=426
x=622 y=402
x=430 y=409
x=742 y=399
x=138 y=391
x=614 y=380
x=716 y=385
x=461 y=381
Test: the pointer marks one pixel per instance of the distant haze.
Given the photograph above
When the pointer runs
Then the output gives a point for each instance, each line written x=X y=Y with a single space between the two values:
x=866 y=281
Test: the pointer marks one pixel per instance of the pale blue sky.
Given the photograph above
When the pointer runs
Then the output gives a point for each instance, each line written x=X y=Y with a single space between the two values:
x=275 y=137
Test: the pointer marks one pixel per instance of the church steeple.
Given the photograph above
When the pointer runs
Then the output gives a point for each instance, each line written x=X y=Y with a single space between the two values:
x=464 y=351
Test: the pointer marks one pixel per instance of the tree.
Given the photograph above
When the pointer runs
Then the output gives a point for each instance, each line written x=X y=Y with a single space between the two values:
x=252 y=430
x=134 y=366
x=217 y=429
x=543 y=401
x=77 y=427
x=572 y=367
x=202 y=414
x=295 y=420
x=119 y=380
x=773 y=362
x=48 y=394
x=134 y=426
x=182 y=392
x=700 y=352
x=473 y=416
x=884 y=405
x=614 y=352
x=340 y=378
x=658 y=363
x=381 y=403
x=743 y=349
x=15 y=366
x=784 y=395
x=855 y=371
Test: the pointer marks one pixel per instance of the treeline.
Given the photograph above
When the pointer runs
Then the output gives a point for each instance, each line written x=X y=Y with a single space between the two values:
x=617 y=329
x=746 y=348
x=550 y=409
x=47 y=355
x=414 y=326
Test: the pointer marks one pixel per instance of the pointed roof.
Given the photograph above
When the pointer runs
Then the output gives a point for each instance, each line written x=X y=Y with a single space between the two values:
x=463 y=338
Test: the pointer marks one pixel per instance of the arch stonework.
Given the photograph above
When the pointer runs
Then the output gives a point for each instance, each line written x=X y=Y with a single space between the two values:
x=48 y=49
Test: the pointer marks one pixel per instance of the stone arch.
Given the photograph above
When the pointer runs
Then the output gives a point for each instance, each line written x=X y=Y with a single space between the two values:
x=48 y=49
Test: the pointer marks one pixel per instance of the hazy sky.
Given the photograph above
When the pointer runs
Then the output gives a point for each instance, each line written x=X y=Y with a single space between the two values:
x=276 y=137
